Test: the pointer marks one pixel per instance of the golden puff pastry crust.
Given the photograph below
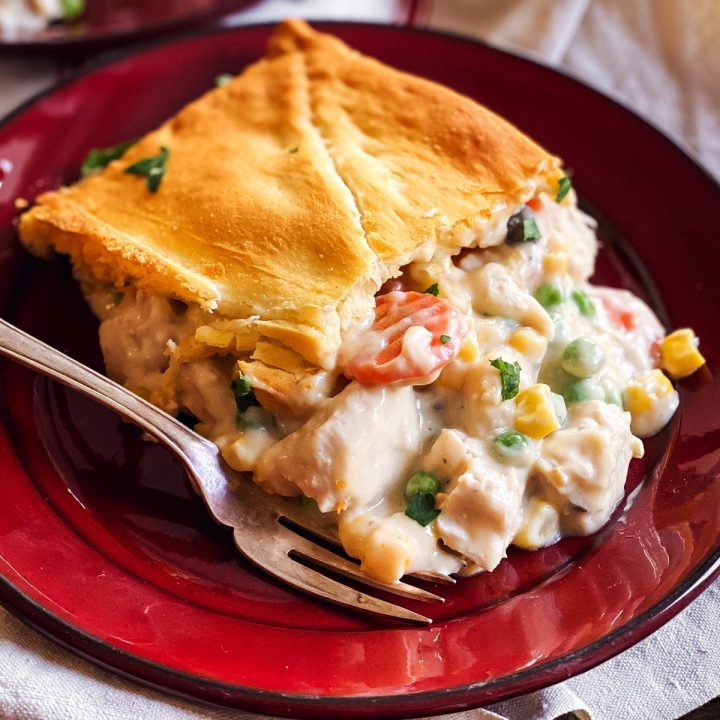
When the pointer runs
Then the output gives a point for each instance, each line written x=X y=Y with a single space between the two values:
x=291 y=193
x=422 y=161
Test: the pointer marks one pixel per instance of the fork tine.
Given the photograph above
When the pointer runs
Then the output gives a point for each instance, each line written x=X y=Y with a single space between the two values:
x=434 y=577
x=320 y=527
x=314 y=523
x=329 y=560
x=284 y=568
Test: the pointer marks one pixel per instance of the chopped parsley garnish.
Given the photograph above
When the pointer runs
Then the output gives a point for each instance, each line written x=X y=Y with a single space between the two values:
x=509 y=377
x=98 y=158
x=444 y=339
x=223 y=80
x=564 y=187
x=522 y=227
x=421 y=509
x=293 y=150
x=243 y=392
x=434 y=289
x=151 y=168
x=420 y=492
x=72 y=9
x=585 y=305
x=548 y=295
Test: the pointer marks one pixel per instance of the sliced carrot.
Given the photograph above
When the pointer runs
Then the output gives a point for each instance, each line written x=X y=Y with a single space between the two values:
x=381 y=354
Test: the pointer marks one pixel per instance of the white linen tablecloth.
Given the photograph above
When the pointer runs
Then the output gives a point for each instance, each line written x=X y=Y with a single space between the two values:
x=661 y=58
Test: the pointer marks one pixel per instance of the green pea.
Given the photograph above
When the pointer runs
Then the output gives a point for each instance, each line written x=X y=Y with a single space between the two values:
x=254 y=418
x=613 y=393
x=511 y=446
x=582 y=358
x=422 y=483
x=72 y=9
x=548 y=295
x=580 y=390
x=511 y=440
x=585 y=305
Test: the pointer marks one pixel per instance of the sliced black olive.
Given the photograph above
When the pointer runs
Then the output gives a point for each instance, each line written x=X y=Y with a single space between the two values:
x=522 y=227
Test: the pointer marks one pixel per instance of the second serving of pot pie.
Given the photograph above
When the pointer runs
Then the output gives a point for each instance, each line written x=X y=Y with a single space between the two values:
x=373 y=292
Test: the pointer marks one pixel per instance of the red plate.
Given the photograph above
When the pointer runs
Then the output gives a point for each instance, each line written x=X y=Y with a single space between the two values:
x=113 y=21
x=106 y=550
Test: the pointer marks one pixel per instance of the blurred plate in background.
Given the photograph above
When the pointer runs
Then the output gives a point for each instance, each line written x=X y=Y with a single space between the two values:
x=106 y=22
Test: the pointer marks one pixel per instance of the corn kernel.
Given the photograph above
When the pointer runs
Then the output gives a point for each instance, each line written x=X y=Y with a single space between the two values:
x=539 y=526
x=384 y=553
x=235 y=455
x=643 y=392
x=424 y=274
x=679 y=353
x=636 y=399
x=651 y=400
x=555 y=263
x=528 y=342
x=386 y=556
x=535 y=415
x=241 y=453
x=469 y=349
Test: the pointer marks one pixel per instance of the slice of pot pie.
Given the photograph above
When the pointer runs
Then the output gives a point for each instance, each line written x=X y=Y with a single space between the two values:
x=371 y=291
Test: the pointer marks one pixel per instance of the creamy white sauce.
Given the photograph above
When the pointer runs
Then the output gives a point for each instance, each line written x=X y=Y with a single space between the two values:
x=27 y=16
x=351 y=452
x=137 y=338
x=354 y=450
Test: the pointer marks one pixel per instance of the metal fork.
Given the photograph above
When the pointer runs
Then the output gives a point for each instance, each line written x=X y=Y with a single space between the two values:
x=265 y=527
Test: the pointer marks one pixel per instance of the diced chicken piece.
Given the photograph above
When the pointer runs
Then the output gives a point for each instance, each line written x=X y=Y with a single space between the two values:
x=567 y=246
x=481 y=508
x=283 y=392
x=134 y=339
x=389 y=547
x=626 y=328
x=495 y=293
x=350 y=452
x=483 y=407
x=241 y=450
x=204 y=391
x=582 y=468
x=570 y=232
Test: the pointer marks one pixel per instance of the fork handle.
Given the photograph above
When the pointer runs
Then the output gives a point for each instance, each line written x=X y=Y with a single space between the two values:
x=27 y=350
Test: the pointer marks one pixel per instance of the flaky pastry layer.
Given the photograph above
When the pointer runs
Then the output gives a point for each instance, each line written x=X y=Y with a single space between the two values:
x=294 y=191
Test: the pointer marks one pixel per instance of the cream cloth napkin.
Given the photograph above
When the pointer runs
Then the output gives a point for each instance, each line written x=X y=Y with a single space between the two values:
x=659 y=57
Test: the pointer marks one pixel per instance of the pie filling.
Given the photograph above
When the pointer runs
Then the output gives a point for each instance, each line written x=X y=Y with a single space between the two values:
x=494 y=397
x=28 y=16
